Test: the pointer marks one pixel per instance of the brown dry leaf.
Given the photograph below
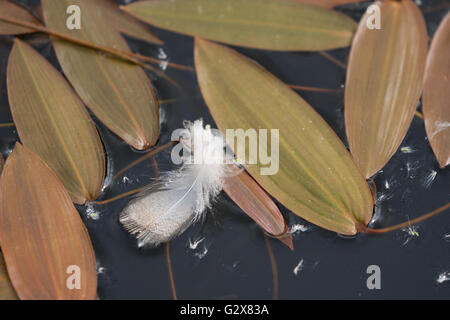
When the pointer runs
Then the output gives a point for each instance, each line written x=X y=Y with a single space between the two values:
x=384 y=82
x=317 y=178
x=261 y=24
x=326 y=3
x=436 y=93
x=41 y=233
x=255 y=202
x=52 y=121
x=6 y=289
x=126 y=24
x=117 y=92
x=13 y=10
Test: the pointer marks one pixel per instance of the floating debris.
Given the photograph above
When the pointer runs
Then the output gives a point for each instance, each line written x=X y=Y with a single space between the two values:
x=407 y=149
x=298 y=267
x=429 y=179
x=200 y=255
x=91 y=213
x=443 y=277
x=411 y=232
x=446 y=237
x=297 y=228
x=126 y=180
x=193 y=244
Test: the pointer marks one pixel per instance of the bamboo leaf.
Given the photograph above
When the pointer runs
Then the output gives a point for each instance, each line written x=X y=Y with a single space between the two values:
x=255 y=202
x=6 y=289
x=13 y=10
x=436 y=93
x=41 y=233
x=262 y=24
x=317 y=179
x=117 y=92
x=127 y=24
x=384 y=82
x=52 y=121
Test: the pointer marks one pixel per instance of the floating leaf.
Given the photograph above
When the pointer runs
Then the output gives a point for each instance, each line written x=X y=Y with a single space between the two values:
x=52 y=121
x=384 y=83
x=326 y=3
x=43 y=239
x=118 y=93
x=255 y=202
x=262 y=24
x=6 y=289
x=436 y=93
x=13 y=10
x=127 y=24
x=317 y=178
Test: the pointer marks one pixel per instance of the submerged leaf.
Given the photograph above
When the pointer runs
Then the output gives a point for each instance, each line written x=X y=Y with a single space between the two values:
x=42 y=237
x=262 y=24
x=52 y=121
x=255 y=202
x=384 y=83
x=12 y=10
x=117 y=92
x=317 y=178
x=436 y=93
x=127 y=24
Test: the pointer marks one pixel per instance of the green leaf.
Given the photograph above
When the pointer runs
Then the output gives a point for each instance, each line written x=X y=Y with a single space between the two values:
x=262 y=24
x=52 y=121
x=317 y=178
x=117 y=92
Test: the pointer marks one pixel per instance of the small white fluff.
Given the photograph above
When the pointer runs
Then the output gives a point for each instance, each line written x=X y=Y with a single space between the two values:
x=180 y=197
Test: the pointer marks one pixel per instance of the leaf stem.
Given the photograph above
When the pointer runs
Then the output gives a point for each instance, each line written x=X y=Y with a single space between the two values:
x=273 y=263
x=314 y=89
x=364 y=229
x=169 y=269
x=121 y=196
x=125 y=55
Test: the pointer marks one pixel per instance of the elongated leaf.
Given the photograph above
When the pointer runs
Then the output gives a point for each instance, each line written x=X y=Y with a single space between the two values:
x=317 y=179
x=12 y=10
x=262 y=24
x=52 y=121
x=6 y=289
x=44 y=242
x=127 y=24
x=436 y=93
x=326 y=3
x=384 y=83
x=255 y=202
x=118 y=93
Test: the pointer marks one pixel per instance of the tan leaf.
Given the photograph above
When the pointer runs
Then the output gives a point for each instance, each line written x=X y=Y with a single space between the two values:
x=52 y=121
x=317 y=178
x=384 y=82
x=13 y=10
x=41 y=233
x=262 y=24
x=117 y=92
x=255 y=202
x=326 y=3
x=6 y=289
x=436 y=93
x=127 y=24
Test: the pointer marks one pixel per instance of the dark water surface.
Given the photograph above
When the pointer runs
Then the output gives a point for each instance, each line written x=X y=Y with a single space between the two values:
x=232 y=260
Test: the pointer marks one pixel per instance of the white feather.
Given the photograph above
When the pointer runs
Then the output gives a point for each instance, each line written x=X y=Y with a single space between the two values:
x=180 y=197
